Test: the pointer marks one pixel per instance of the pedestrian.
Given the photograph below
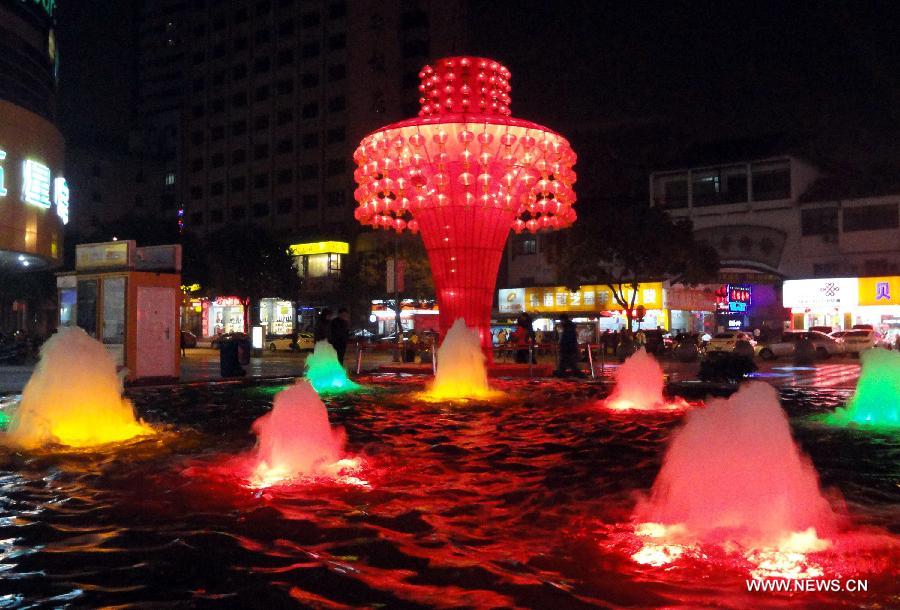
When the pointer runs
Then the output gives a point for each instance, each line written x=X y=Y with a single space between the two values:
x=568 y=348
x=339 y=333
x=521 y=339
x=323 y=326
x=183 y=344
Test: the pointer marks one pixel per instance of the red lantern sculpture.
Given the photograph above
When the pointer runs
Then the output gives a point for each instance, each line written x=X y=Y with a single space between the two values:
x=463 y=174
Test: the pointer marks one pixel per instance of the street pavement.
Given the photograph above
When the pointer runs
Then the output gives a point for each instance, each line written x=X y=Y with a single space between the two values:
x=202 y=364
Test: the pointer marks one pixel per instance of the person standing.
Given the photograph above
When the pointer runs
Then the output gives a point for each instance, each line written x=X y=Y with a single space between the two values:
x=323 y=326
x=568 y=347
x=340 y=333
x=521 y=337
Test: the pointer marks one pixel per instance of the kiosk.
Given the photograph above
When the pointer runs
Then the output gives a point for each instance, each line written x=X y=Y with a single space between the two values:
x=127 y=298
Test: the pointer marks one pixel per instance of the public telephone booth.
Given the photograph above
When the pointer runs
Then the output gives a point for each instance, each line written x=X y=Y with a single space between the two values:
x=127 y=298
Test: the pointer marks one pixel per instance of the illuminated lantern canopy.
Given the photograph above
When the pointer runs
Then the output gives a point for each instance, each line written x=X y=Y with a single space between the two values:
x=463 y=174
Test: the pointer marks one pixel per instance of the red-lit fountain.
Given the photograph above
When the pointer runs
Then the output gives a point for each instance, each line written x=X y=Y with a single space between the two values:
x=464 y=173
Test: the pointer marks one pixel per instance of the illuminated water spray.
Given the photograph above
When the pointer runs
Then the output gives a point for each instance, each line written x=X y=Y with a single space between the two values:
x=639 y=386
x=74 y=397
x=461 y=371
x=464 y=173
x=326 y=374
x=295 y=439
x=734 y=477
x=876 y=402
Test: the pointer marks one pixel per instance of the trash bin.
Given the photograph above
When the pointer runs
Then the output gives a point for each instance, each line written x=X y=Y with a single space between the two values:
x=229 y=363
x=244 y=350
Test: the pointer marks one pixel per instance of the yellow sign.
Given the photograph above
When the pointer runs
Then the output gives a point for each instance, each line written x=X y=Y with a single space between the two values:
x=111 y=254
x=879 y=290
x=319 y=247
x=590 y=298
x=191 y=288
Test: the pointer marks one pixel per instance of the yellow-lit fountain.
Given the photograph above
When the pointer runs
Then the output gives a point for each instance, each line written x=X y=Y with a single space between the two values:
x=461 y=372
x=73 y=398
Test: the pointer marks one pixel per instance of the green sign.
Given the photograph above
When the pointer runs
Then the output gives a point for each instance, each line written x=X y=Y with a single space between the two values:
x=49 y=6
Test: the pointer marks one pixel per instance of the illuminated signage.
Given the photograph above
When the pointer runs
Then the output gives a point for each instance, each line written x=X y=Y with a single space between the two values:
x=738 y=297
x=49 y=6
x=39 y=188
x=36 y=183
x=228 y=302
x=319 y=247
x=511 y=300
x=3 y=190
x=587 y=298
x=61 y=196
x=830 y=293
x=876 y=291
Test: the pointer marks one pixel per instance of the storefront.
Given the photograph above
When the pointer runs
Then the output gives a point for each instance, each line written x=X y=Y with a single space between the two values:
x=276 y=316
x=414 y=315
x=841 y=303
x=223 y=315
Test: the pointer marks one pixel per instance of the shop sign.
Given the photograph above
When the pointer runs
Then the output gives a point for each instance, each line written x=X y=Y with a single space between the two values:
x=879 y=290
x=738 y=297
x=319 y=247
x=511 y=300
x=39 y=188
x=829 y=293
x=589 y=298
x=228 y=302
x=112 y=254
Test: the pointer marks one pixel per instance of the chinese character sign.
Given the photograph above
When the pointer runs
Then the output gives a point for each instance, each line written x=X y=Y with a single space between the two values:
x=36 y=183
x=3 y=190
x=61 y=195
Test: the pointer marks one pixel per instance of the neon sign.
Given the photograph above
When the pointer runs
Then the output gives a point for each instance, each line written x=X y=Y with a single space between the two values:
x=36 y=183
x=61 y=196
x=3 y=190
x=738 y=297
x=49 y=6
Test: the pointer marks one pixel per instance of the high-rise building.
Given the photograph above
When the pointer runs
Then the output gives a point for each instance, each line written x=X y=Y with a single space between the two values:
x=34 y=195
x=258 y=104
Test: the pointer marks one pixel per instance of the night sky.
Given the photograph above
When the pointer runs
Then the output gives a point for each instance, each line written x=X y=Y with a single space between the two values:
x=711 y=71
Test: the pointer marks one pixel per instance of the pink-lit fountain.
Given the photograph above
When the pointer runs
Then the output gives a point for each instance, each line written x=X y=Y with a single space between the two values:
x=639 y=386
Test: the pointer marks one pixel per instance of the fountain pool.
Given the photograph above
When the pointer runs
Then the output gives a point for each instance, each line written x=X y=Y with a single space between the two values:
x=524 y=502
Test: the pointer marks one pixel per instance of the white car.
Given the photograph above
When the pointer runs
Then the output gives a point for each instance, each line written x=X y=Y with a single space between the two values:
x=725 y=342
x=824 y=345
x=856 y=341
x=305 y=342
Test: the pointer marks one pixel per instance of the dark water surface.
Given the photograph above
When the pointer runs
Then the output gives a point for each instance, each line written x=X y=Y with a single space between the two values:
x=511 y=504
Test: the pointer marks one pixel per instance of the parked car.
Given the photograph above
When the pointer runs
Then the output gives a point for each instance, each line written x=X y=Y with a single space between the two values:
x=822 y=329
x=305 y=342
x=188 y=339
x=856 y=341
x=217 y=340
x=726 y=341
x=824 y=345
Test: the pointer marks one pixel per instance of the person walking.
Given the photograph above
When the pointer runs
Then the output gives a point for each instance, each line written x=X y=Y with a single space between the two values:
x=568 y=348
x=521 y=338
x=339 y=333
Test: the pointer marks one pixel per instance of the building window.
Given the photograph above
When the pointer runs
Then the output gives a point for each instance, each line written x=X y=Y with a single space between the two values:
x=239 y=100
x=309 y=50
x=310 y=111
x=196 y=192
x=337 y=104
x=197 y=111
x=310 y=202
x=262 y=93
x=218 y=132
x=309 y=80
x=197 y=164
x=285 y=206
x=260 y=181
x=771 y=181
x=241 y=43
x=336 y=135
x=871 y=217
x=197 y=138
x=284 y=117
x=309 y=171
x=238 y=183
x=216 y=216
x=239 y=155
x=337 y=42
x=819 y=221
x=285 y=146
x=263 y=36
x=337 y=10
x=217 y=106
x=285 y=176
x=826 y=269
x=260 y=210
x=337 y=72
x=238 y=213
x=285 y=57
x=197 y=218
x=286 y=28
x=261 y=151
x=528 y=245
x=416 y=48
x=263 y=7
x=719 y=185
x=414 y=19
x=239 y=71
x=199 y=58
x=170 y=178
x=285 y=87
x=240 y=15
x=335 y=199
x=218 y=78
x=239 y=128
x=216 y=188
x=310 y=140
x=262 y=64
x=218 y=160
x=261 y=122
x=336 y=167
x=310 y=20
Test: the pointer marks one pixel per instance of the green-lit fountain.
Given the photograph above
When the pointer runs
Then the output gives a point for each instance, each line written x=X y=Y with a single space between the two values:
x=326 y=374
x=876 y=403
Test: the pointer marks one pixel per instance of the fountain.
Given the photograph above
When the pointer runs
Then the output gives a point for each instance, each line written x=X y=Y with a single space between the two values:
x=734 y=477
x=461 y=371
x=295 y=439
x=639 y=386
x=74 y=397
x=465 y=172
x=876 y=402
x=326 y=374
